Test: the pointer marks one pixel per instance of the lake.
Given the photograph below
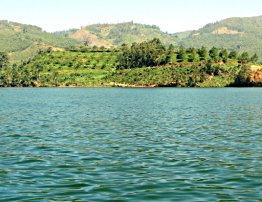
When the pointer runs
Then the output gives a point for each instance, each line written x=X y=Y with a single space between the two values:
x=101 y=144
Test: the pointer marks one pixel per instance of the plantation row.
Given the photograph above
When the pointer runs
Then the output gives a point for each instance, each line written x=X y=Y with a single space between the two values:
x=154 y=53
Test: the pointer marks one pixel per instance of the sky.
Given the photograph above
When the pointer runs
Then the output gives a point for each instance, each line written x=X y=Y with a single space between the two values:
x=170 y=15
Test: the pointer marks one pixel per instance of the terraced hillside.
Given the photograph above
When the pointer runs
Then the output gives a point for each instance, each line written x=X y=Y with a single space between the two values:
x=99 y=67
x=70 y=68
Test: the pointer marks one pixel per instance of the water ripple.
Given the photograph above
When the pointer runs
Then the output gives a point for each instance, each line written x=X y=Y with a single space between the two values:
x=130 y=144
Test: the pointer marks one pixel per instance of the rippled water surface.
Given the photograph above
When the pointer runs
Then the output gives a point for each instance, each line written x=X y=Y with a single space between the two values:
x=131 y=144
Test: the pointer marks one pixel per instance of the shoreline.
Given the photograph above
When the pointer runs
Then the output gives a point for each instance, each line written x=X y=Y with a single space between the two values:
x=150 y=86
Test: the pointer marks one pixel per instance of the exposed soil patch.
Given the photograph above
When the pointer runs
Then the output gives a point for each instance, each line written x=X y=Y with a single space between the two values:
x=256 y=74
x=225 y=30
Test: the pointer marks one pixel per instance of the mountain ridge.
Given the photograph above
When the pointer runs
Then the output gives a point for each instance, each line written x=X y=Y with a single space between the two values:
x=23 y=41
x=112 y=35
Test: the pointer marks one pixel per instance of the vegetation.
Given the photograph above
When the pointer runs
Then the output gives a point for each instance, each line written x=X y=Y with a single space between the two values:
x=3 y=60
x=114 y=35
x=23 y=41
x=149 y=63
x=153 y=53
x=243 y=77
x=239 y=34
x=146 y=54
x=62 y=68
x=176 y=76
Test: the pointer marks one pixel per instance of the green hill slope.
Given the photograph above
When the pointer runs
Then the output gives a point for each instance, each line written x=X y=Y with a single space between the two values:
x=98 y=67
x=242 y=34
x=116 y=34
x=23 y=41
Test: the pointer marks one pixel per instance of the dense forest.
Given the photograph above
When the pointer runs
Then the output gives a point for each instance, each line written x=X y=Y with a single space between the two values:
x=149 y=63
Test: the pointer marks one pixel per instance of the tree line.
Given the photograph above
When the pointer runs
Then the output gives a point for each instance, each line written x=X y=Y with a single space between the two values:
x=213 y=55
x=154 y=53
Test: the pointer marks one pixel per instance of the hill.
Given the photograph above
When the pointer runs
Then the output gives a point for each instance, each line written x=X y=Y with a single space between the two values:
x=242 y=34
x=23 y=41
x=95 y=67
x=111 y=35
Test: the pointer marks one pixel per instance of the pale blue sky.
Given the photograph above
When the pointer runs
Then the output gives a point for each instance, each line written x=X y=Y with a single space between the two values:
x=169 y=15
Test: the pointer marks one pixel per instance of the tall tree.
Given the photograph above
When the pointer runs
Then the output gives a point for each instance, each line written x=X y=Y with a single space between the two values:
x=192 y=55
x=3 y=60
x=203 y=54
x=244 y=58
x=223 y=55
x=171 y=48
x=243 y=77
x=254 y=58
x=233 y=54
x=181 y=54
x=214 y=55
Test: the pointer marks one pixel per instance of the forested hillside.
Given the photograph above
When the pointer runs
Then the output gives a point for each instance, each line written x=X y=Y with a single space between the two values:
x=242 y=34
x=23 y=41
x=109 y=35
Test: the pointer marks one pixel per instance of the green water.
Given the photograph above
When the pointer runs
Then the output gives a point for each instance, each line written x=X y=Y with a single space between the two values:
x=131 y=144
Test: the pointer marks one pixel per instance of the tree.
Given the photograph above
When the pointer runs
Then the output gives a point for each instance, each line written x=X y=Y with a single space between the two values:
x=181 y=54
x=8 y=76
x=203 y=53
x=254 y=58
x=244 y=58
x=3 y=60
x=192 y=55
x=243 y=77
x=170 y=52
x=148 y=53
x=49 y=50
x=223 y=55
x=214 y=55
x=15 y=75
x=87 y=41
x=171 y=48
x=233 y=54
x=210 y=69
x=40 y=52
x=38 y=69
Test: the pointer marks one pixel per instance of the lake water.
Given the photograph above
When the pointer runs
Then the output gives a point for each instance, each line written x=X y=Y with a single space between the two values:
x=161 y=144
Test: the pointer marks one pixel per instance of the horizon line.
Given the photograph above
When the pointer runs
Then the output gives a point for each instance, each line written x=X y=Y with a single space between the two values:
x=124 y=22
